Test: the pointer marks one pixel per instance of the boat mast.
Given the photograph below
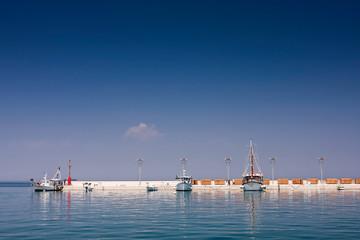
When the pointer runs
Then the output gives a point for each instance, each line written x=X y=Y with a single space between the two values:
x=252 y=158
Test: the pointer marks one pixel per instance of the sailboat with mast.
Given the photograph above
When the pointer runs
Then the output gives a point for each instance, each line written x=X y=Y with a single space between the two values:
x=252 y=181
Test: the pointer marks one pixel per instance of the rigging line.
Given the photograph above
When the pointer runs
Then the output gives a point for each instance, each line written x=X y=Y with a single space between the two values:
x=247 y=162
x=257 y=162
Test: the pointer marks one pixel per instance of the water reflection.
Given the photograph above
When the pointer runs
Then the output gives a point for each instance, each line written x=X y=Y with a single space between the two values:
x=252 y=202
x=47 y=204
x=183 y=209
x=198 y=214
x=68 y=205
x=183 y=200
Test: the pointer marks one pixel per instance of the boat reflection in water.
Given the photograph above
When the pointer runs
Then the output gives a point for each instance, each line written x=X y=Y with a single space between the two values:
x=46 y=205
x=183 y=200
x=252 y=201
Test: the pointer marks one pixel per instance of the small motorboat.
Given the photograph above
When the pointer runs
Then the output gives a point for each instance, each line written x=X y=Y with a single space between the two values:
x=152 y=188
x=87 y=187
x=53 y=184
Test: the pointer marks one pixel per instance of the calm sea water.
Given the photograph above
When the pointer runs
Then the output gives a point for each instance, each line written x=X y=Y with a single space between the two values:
x=25 y=214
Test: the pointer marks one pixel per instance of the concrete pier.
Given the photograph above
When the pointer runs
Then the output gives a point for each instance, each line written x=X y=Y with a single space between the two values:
x=214 y=185
x=121 y=185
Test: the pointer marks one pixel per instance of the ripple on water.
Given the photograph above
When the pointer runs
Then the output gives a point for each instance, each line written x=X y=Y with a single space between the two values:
x=168 y=215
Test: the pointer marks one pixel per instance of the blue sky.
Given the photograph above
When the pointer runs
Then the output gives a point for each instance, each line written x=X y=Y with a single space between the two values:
x=103 y=84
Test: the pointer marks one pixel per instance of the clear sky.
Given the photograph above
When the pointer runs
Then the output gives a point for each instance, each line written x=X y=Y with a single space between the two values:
x=104 y=83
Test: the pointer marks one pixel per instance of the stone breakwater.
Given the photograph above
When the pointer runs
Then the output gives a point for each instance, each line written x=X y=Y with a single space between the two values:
x=217 y=184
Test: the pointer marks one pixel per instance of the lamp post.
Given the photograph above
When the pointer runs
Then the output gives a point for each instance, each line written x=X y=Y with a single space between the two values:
x=321 y=163
x=140 y=162
x=272 y=161
x=227 y=161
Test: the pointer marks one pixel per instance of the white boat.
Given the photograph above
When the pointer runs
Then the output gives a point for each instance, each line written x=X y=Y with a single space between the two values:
x=53 y=184
x=151 y=188
x=185 y=181
x=87 y=187
x=252 y=181
x=184 y=184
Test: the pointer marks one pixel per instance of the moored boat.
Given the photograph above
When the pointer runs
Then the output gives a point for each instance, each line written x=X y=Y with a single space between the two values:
x=53 y=184
x=185 y=184
x=252 y=181
x=151 y=188
x=87 y=187
x=185 y=181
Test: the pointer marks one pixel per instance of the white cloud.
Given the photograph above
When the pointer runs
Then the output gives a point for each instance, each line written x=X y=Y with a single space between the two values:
x=143 y=132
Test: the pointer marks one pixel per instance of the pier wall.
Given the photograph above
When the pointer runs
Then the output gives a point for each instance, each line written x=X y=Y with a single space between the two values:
x=122 y=185
x=212 y=185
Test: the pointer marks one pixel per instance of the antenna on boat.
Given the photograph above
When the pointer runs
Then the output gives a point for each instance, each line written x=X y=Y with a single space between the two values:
x=183 y=166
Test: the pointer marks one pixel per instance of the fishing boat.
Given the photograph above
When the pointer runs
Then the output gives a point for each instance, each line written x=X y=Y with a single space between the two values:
x=185 y=181
x=53 y=184
x=252 y=181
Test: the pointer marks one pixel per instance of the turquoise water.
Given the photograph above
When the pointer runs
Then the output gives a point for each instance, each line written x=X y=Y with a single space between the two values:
x=25 y=214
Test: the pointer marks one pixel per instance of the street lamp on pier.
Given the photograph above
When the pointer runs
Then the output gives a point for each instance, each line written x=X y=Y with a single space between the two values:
x=272 y=161
x=140 y=163
x=321 y=163
x=227 y=161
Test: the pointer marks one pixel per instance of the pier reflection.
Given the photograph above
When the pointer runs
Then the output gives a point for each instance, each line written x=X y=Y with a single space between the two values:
x=252 y=201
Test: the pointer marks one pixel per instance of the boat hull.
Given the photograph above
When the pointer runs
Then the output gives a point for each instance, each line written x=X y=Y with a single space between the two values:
x=183 y=187
x=253 y=186
x=47 y=188
x=151 y=189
